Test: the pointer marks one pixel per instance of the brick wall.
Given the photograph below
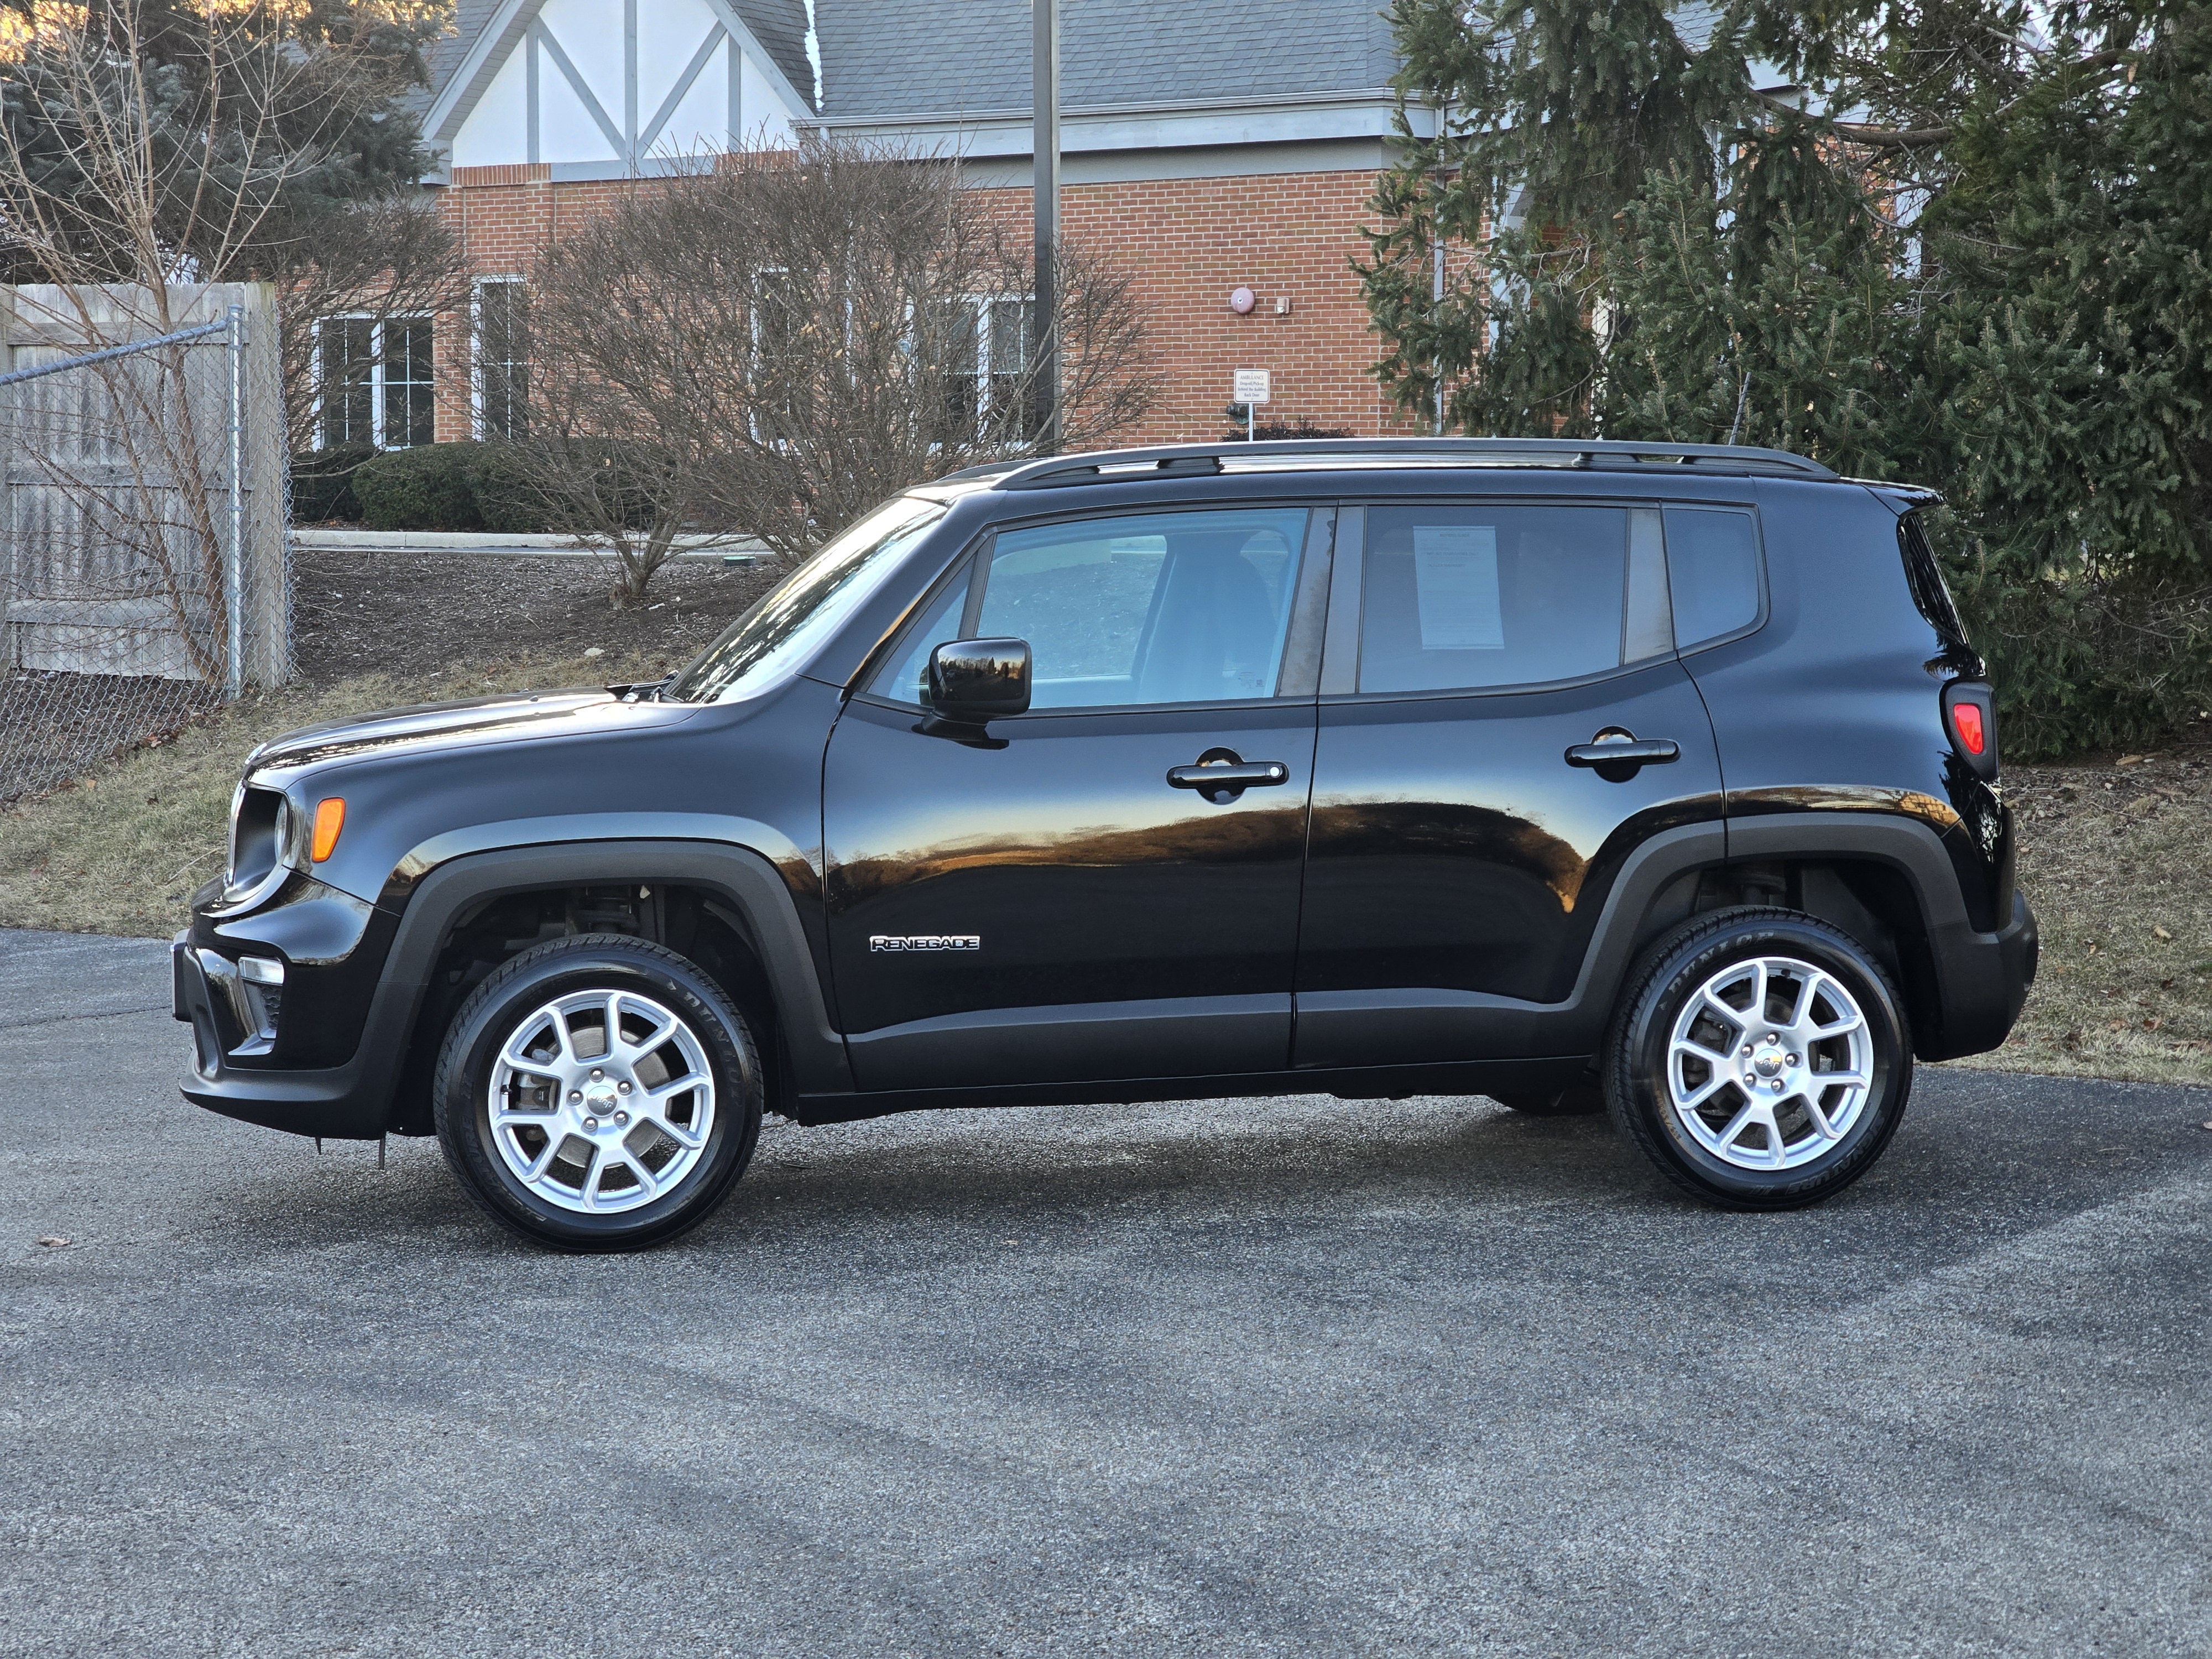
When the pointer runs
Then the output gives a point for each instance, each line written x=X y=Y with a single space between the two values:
x=1189 y=241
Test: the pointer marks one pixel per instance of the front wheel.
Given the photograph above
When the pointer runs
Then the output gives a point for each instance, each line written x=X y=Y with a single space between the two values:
x=1760 y=1058
x=599 y=1092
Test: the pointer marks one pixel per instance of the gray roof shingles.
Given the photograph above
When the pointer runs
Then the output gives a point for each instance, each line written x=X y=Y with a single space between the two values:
x=893 y=57
x=781 y=25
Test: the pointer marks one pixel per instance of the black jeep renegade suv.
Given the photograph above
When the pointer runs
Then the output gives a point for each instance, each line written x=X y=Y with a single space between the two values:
x=1535 y=769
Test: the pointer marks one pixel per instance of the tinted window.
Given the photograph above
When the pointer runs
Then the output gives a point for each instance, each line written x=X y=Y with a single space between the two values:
x=1712 y=566
x=1491 y=595
x=1931 y=594
x=905 y=677
x=1150 y=608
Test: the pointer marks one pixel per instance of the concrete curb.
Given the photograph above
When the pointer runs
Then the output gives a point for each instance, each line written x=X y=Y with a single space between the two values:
x=345 y=540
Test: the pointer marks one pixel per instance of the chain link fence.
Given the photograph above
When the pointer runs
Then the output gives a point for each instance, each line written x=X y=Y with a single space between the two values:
x=145 y=572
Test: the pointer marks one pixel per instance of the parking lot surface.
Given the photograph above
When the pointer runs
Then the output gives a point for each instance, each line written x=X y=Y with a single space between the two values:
x=1259 y=1376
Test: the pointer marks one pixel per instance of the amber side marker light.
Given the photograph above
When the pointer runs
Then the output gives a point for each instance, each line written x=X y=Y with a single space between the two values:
x=1966 y=716
x=330 y=818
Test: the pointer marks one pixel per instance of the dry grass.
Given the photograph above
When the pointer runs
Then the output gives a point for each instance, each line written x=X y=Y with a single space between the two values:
x=120 y=850
x=2112 y=857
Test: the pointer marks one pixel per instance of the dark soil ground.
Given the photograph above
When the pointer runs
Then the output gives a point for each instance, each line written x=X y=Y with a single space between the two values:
x=422 y=615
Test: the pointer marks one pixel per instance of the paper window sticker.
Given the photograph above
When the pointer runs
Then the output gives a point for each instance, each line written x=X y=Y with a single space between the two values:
x=1455 y=587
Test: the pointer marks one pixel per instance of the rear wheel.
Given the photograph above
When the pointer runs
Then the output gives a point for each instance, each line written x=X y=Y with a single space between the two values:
x=599 y=1093
x=1760 y=1058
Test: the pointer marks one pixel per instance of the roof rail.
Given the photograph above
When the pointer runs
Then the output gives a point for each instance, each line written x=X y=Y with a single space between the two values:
x=1325 y=454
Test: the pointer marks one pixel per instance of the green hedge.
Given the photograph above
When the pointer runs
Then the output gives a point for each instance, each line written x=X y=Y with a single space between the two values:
x=507 y=503
x=426 y=487
x=460 y=486
x=322 y=484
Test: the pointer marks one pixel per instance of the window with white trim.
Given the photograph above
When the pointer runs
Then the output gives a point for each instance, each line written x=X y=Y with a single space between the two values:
x=345 y=368
x=375 y=382
x=503 y=359
x=408 y=389
x=991 y=354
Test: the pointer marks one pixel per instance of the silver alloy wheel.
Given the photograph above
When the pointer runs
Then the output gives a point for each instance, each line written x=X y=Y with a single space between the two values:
x=602 y=1101
x=1770 y=1064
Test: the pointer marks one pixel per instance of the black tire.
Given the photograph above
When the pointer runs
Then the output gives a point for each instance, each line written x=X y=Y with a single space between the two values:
x=500 y=1008
x=1578 y=1101
x=1636 y=1057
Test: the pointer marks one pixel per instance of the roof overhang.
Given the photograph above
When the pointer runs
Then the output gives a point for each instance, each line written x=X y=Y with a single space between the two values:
x=987 y=134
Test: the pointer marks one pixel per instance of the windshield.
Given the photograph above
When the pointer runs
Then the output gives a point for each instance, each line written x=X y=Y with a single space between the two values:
x=776 y=636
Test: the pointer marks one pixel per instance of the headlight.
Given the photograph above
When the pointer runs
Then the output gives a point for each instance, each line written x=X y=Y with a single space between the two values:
x=261 y=834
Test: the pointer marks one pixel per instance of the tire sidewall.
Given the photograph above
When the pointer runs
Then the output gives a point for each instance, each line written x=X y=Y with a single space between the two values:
x=485 y=1022
x=1641 y=1050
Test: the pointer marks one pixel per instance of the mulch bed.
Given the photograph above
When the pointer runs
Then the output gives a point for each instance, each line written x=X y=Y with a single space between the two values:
x=2109 y=787
x=421 y=614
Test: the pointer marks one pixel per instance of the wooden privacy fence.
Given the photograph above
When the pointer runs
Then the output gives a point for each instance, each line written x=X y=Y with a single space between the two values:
x=145 y=481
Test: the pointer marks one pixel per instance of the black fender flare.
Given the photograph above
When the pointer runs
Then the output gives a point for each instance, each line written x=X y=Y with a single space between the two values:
x=741 y=878
x=1981 y=979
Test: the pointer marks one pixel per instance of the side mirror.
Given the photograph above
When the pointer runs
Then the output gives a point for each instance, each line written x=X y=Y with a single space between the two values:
x=980 y=679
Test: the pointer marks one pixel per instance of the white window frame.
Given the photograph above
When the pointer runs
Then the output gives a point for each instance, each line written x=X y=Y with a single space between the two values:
x=979 y=306
x=375 y=382
x=476 y=342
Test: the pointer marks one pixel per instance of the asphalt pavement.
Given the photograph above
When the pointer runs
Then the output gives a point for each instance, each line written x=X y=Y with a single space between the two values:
x=1258 y=1376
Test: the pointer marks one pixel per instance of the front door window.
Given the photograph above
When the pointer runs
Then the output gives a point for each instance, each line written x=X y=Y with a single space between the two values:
x=1127 y=612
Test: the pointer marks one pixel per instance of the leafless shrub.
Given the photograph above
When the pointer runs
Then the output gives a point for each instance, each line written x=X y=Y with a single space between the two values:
x=767 y=345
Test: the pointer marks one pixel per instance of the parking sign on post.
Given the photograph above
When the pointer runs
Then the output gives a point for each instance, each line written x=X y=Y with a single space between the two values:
x=1252 y=390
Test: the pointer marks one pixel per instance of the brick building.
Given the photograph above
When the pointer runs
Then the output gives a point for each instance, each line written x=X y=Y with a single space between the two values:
x=1212 y=146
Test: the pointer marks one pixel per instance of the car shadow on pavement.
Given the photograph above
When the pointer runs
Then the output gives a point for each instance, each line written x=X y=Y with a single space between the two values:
x=1307 y=1154
x=1979 y=1153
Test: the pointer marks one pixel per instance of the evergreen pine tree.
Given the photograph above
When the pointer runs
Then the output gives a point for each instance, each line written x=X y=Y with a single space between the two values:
x=1967 y=247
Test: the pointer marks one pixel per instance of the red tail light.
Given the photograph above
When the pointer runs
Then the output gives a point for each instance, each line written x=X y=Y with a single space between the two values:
x=1967 y=721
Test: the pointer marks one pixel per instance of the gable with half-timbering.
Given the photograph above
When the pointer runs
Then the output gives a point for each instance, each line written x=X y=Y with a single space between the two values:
x=610 y=88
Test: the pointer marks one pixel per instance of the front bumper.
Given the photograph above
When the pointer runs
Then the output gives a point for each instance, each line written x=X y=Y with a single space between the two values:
x=338 y=1103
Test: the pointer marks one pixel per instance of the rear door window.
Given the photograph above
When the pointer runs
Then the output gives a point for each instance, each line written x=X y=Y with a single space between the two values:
x=1469 y=597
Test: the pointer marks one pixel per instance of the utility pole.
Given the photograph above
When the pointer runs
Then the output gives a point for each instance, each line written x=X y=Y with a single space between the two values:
x=1436 y=225
x=1044 y=151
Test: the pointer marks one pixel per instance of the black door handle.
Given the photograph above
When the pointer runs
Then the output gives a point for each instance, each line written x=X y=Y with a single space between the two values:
x=1228 y=775
x=1646 y=751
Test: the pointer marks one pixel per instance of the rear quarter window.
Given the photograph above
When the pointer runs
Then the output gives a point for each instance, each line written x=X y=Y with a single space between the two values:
x=1712 y=572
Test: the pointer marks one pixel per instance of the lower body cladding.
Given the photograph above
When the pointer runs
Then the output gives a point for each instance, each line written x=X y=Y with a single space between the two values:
x=1978 y=983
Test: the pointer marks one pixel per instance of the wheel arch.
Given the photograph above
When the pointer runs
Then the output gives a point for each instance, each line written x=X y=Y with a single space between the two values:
x=728 y=908
x=1885 y=879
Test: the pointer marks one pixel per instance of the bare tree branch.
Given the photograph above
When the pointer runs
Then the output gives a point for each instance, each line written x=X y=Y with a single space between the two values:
x=769 y=345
